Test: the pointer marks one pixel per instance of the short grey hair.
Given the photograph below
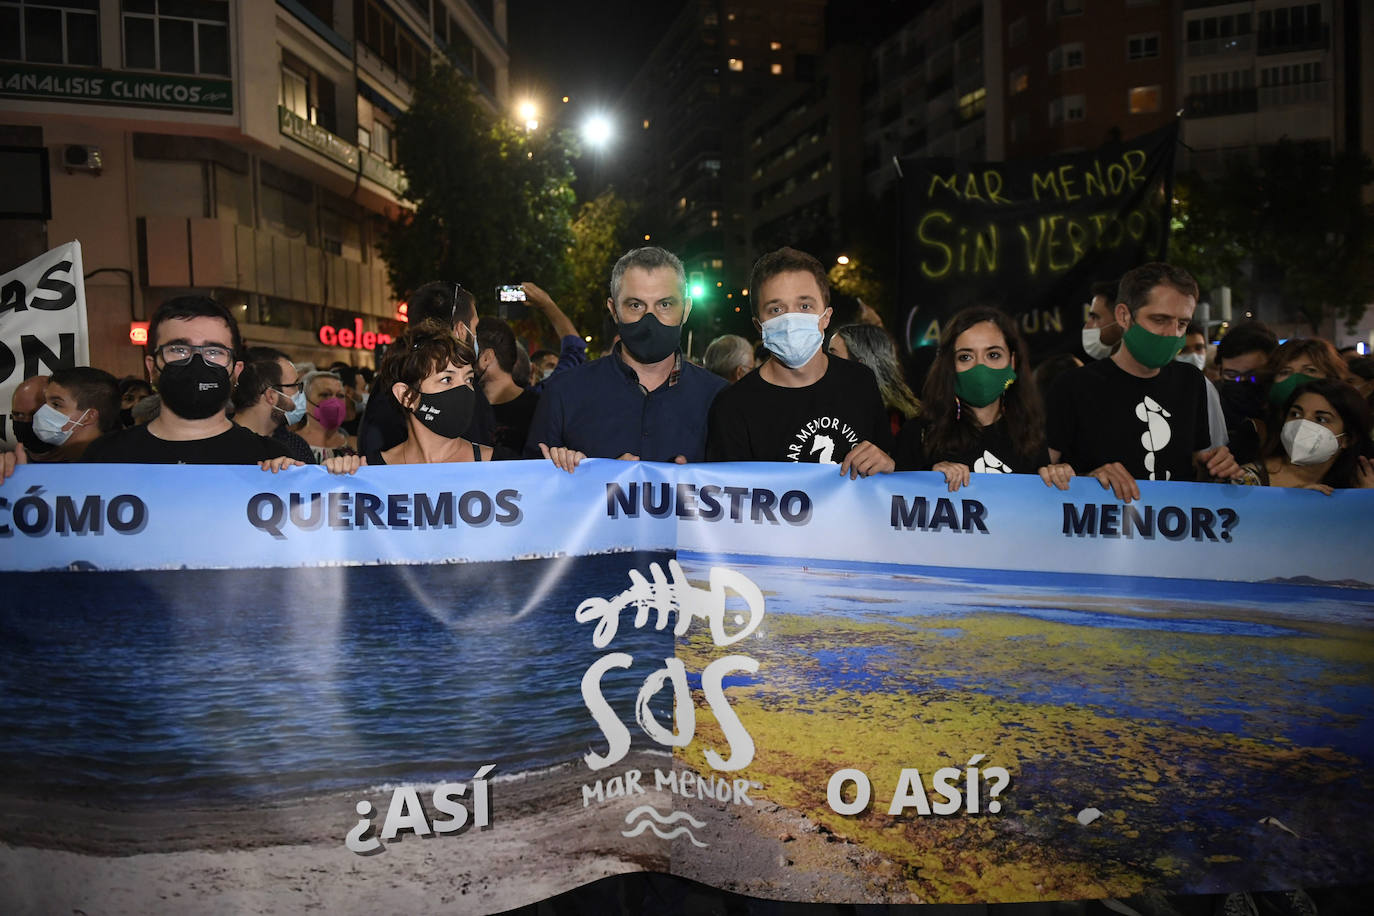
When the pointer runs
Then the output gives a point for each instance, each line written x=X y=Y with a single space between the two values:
x=310 y=378
x=727 y=353
x=650 y=257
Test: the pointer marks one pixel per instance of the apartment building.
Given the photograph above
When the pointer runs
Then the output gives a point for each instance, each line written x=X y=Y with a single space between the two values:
x=241 y=149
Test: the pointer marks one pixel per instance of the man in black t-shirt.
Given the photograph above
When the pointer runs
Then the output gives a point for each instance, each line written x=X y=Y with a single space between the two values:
x=193 y=347
x=512 y=407
x=1139 y=414
x=800 y=405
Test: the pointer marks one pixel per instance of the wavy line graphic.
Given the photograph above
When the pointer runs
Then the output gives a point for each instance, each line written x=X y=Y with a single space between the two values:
x=646 y=825
x=670 y=819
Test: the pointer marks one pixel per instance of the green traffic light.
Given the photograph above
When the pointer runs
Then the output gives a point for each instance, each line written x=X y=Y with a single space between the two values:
x=697 y=290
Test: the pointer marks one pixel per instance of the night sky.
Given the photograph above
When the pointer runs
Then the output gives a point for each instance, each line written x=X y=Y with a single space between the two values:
x=587 y=50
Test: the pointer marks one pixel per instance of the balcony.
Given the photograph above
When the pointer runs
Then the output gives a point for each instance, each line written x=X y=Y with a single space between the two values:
x=1309 y=38
x=1215 y=104
x=334 y=147
x=1295 y=94
x=1231 y=44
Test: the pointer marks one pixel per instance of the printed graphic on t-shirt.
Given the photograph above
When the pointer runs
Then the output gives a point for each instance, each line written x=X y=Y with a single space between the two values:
x=988 y=463
x=1157 y=432
x=824 y=440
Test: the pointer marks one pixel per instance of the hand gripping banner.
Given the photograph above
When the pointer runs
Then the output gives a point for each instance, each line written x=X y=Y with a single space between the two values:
x=474 y=687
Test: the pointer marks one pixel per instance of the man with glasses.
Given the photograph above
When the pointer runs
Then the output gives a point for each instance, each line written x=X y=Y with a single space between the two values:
x=383 y=425
x=1241 y=355
x=269 y=399
x=193 y=348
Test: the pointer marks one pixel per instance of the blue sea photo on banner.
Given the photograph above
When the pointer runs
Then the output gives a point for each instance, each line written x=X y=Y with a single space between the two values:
x=476 y=688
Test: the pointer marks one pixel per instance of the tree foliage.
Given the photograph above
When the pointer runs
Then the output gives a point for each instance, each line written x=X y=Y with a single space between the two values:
x=1291 y=222
x=598 y=241
x=493 y=203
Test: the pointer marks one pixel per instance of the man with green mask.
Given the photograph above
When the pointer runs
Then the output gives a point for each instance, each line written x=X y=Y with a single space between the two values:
x=1140 y=414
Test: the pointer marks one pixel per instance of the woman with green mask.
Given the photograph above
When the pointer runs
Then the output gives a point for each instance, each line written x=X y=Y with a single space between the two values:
x=979 y=415
x=1296 y=362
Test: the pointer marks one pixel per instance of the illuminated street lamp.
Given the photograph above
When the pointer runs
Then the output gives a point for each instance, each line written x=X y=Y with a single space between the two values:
x=842 y=259
x=597 y=131
x=529 y=113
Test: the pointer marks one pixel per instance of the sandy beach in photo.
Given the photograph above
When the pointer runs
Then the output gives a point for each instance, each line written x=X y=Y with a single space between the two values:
x=292 y=857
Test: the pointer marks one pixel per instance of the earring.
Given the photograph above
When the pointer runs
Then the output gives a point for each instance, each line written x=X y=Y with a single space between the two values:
x=958 y=407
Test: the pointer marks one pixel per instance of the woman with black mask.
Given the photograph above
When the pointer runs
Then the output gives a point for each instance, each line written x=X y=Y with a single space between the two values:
x=430 y=373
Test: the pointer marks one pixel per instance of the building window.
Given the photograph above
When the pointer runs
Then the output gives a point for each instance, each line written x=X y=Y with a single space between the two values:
x=51 y=31
x=775 y=46
x=1068 y=108
x=1144 y=99
x=1056 y=8
x=1018 y=81
x=295 y=94
x=176 y=36
x=1016 y=32
x=735 y=64
x=382 y=144
x=1142 y=47
x=775 y=69
x=1066 y=57
x=379 y=30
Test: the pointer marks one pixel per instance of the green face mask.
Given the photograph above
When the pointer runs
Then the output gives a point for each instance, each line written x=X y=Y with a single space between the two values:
x=1153 y=351
x=981 y=385
x=1279 y=392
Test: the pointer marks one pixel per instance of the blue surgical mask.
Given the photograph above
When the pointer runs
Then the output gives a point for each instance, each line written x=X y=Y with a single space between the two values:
x=793 y=337
x=49 y=424
x=298 y=407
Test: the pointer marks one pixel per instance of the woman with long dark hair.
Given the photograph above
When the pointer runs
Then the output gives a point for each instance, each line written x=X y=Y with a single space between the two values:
x=1322 y=443
x=873 y=346
x=978 y=415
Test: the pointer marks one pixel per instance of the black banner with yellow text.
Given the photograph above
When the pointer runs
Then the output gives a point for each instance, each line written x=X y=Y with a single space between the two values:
x=1030 y=236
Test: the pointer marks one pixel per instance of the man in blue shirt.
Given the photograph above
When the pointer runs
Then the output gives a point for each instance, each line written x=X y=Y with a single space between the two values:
x=642 y=401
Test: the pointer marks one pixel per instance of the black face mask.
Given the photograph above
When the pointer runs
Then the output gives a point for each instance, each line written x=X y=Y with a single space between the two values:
x=1244 y=399
x=447 y=413
x=650 y=340
x=23 y=431
x=195 y=389
x=126 y=417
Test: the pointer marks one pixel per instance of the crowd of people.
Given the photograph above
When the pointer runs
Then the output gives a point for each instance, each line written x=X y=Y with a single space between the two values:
x=1154 y=400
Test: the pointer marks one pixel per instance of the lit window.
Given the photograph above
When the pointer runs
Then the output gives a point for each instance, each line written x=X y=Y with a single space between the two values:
x=776 y=69
x=735 y=64
x=775 y=46
x=1019 y=81
x=646 y=123
x=1144 y=99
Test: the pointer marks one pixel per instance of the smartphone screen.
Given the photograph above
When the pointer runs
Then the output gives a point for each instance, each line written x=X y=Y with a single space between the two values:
x=511 y=302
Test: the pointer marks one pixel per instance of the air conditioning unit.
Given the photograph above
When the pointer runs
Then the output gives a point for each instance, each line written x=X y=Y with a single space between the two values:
x=78 y=158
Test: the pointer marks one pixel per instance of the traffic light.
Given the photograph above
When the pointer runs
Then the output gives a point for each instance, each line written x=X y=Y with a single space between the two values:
x=696 y=284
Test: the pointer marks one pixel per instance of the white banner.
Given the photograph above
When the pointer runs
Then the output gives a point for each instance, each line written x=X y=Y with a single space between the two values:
x=42 y=322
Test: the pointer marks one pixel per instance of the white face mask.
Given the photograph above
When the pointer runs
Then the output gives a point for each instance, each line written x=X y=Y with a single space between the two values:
x=1193 y=359
x=793 y=337
x=1308 y=443
x=1093 y=345
x=50 y=424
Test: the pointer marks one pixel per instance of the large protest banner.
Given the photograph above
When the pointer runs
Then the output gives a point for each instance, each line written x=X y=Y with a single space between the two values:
x=471 y=688
x=1030 y=236
x=42 y=322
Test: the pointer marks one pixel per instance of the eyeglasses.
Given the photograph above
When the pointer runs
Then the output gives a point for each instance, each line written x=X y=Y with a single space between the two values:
x=299 y=386
x=178 y=354
x=1231 y=375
